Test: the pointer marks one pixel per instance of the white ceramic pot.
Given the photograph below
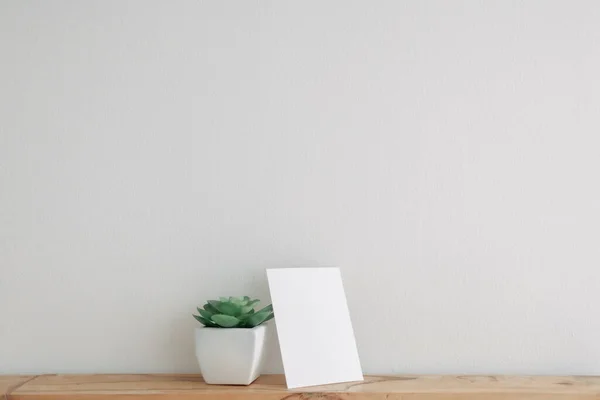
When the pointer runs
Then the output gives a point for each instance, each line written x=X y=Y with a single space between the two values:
x=231 y=356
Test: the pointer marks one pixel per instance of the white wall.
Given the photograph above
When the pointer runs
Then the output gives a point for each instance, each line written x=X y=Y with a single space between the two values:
x=444 y=154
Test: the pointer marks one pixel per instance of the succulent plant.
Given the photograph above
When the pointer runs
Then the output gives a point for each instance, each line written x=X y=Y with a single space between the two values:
x=233 y=312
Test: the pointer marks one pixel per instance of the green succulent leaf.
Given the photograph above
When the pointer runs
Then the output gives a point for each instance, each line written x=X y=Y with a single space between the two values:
x=258 y=318
x=230 y=312
x=247 y=309
x=252 y=302
x=210 y=308
x=237 y=300
x=244 y=317
x=205 y=314
x=205 y=322
x=267 y=308
x=230 y=309
x=226 y=308
x=213 y=303
x=226 y=321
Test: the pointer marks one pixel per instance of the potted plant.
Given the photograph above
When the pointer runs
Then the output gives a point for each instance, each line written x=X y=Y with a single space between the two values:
x=230 y=345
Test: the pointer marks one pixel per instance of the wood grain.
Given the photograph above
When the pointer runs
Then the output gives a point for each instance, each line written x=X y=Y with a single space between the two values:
x=272 y=387
x=10 y=382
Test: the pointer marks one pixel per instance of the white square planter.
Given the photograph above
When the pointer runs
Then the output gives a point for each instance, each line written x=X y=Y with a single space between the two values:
x=230 y=356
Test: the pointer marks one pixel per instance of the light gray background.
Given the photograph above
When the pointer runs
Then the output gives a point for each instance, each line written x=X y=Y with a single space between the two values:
x=443 y=154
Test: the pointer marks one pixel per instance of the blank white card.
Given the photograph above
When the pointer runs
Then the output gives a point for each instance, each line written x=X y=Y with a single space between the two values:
x=314 y=328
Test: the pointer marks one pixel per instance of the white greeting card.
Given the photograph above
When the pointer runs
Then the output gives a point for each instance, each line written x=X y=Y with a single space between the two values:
x=314 y=328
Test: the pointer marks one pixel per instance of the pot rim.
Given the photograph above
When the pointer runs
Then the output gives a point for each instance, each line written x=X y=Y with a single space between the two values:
x=261 y=326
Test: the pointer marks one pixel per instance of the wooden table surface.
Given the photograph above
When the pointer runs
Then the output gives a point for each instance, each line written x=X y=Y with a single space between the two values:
x=8 y=383
x=272 y=387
